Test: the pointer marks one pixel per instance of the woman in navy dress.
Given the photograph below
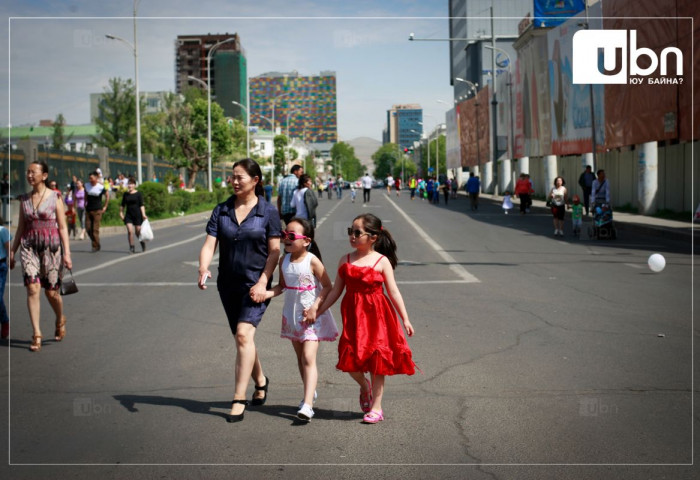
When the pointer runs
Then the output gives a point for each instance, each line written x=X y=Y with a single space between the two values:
x=247 y=231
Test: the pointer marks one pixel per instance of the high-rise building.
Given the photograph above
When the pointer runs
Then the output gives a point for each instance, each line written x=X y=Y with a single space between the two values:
x=228 y=69
x=307 y=104
x=404 y=125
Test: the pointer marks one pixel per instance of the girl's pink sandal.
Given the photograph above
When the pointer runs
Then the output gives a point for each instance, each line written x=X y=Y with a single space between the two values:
x=373 y=416
x=366 y=398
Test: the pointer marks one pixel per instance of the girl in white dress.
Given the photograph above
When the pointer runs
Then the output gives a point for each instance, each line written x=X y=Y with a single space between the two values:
x=305 y=283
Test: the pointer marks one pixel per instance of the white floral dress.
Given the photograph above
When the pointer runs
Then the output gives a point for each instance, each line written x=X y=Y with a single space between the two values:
x=302 y=289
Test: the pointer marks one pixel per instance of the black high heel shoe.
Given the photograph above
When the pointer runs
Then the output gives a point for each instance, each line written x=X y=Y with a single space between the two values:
x=261 y=401
x=237 y=418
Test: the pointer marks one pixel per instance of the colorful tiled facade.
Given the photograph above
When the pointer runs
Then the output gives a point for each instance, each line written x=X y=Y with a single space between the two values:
x=308 y=101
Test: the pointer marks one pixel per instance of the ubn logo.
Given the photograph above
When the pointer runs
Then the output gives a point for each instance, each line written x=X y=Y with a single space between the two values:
x=588 y=43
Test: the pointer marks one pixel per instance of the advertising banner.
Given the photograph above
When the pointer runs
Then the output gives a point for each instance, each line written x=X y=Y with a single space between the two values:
x=571 y=103
x=452 y=140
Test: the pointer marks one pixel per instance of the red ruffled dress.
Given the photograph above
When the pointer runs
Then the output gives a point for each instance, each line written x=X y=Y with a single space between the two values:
x=372 y=339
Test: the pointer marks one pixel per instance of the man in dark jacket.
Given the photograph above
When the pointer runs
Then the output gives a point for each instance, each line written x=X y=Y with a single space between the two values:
x=586 y=182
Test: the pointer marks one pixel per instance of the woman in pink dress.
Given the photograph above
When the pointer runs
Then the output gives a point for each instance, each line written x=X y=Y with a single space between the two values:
x=40 y=233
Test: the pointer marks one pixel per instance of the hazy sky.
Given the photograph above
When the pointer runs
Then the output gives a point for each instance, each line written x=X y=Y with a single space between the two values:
x=58 y=54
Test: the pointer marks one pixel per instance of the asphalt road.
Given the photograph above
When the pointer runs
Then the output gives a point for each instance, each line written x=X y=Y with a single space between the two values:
x=541 y=357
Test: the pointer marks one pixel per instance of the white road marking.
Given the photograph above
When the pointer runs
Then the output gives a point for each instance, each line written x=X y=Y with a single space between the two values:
x=134 y=257
x=459 y=270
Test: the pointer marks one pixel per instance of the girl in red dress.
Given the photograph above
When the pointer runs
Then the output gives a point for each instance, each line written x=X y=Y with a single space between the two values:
x=372 y=339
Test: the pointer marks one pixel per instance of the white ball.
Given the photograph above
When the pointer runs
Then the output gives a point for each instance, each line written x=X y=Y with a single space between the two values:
x=656 y=262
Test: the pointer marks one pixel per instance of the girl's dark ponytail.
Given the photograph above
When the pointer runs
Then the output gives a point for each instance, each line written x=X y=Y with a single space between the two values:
x=385 y=243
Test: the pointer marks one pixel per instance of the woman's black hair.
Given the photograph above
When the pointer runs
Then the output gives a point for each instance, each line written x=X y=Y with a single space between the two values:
x=308 y=231
x=44 y=169
x=253 y=169
x=563 y=182
x=303 y=178
x=385 y=243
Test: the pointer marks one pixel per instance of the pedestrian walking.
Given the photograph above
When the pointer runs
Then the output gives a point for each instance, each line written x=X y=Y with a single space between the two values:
x=558 y=199
x=304 y=200
x=507 y=202
x=473 y=188
x=372 y=340
x=522 y=190
x=246 y=229
x=268 y=188
x=285 y=192
x=576 y=215
x=600 y=190
x=585 y=180
x=305 y=284
x=366 y=187
x=42 y=241
x=5 y=238
x=412 y=185
x=397 y=184
x=446 y=190
x=79 y=194
x=353 y=192
x=455 y=187
x=132 y=211
x=94 y=209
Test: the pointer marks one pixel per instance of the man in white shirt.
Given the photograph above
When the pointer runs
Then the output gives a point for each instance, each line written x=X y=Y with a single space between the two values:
x=366 y=187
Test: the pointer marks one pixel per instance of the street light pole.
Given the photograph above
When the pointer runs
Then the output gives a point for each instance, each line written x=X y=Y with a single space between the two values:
x=510 y=94
x=209 y=57
x=135 y=50
x=247 y=127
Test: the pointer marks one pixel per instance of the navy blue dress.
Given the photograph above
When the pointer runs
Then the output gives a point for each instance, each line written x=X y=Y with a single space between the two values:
x=243 y=252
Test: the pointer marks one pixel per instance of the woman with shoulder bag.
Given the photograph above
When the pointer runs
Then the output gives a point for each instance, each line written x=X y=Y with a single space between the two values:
x=558 y=199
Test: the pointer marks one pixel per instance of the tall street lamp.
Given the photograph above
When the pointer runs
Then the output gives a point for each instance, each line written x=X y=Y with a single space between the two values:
x=510 y=95
x=210 y=53
x=274 y=100
x=135 y=49
x=247 y=127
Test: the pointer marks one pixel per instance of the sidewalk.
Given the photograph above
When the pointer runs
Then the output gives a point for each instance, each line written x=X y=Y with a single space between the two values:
x=626 y=222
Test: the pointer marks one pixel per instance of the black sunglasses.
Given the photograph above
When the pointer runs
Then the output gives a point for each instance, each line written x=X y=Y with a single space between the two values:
x=356 y=233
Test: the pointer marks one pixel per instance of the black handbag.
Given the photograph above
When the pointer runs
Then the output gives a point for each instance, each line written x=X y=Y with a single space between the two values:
x=68 y=286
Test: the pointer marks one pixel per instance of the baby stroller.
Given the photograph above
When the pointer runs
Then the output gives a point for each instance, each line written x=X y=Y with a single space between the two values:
x=602 y=227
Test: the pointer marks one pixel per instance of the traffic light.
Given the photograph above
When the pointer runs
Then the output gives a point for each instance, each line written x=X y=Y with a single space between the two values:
x=405 y=150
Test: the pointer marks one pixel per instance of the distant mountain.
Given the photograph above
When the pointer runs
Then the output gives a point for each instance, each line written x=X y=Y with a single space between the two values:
x=365 y=147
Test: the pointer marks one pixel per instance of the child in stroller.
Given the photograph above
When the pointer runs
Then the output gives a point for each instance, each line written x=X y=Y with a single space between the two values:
x=602 y=227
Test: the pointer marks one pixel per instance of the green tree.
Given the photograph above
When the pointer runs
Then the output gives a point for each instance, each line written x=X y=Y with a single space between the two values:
x=185 y=136
x=279 y=158
x=58 y=137
x=343 y=156
x=116 y=121
x=385 y=159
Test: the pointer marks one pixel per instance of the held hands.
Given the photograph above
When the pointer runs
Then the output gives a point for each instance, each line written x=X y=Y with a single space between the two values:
x=310 y=314
x=258 y=293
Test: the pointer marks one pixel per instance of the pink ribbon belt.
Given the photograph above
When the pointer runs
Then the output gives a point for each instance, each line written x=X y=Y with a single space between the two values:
x=309 y=287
